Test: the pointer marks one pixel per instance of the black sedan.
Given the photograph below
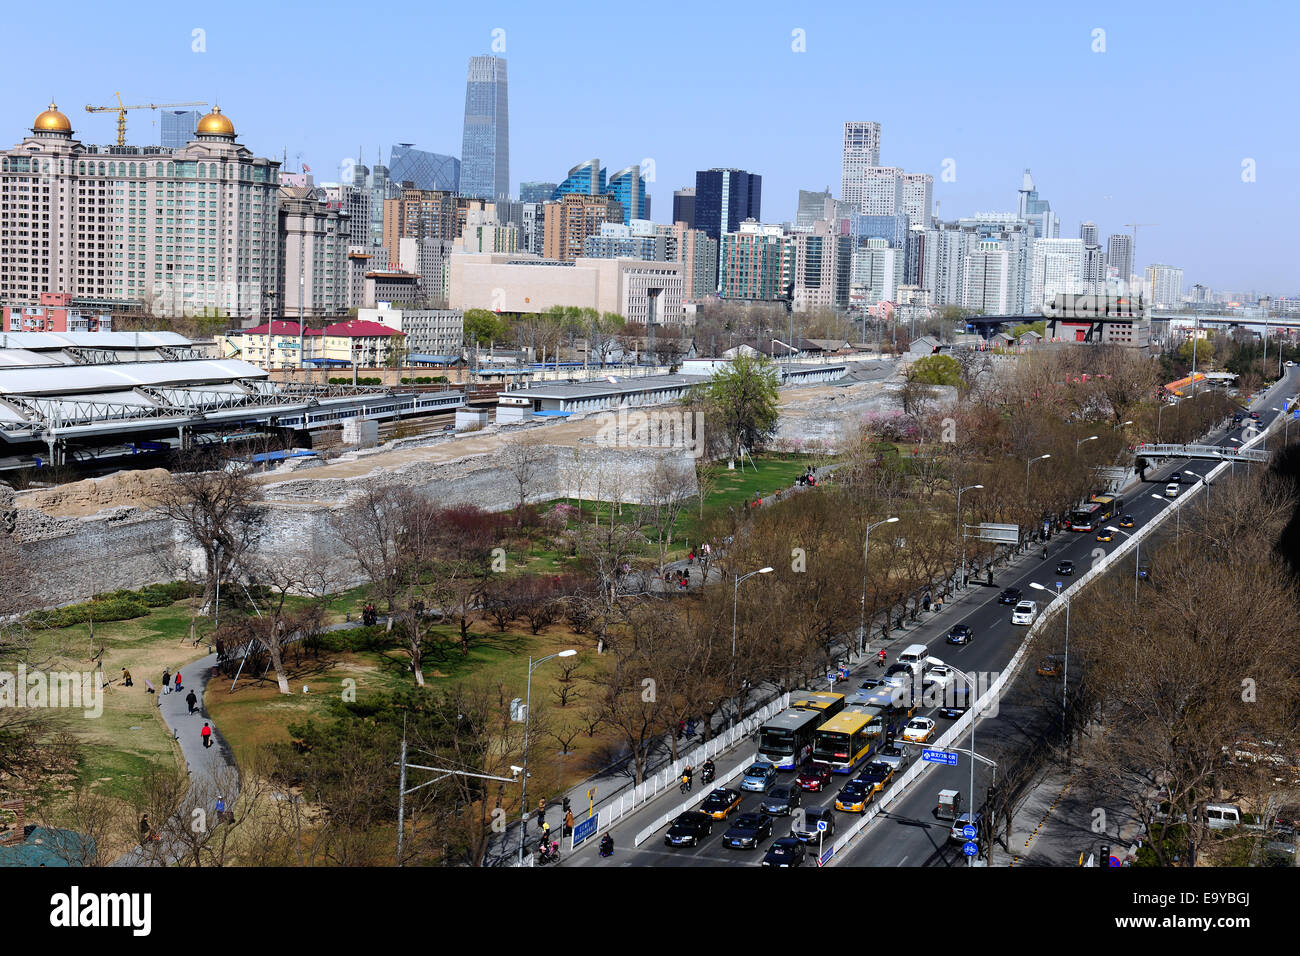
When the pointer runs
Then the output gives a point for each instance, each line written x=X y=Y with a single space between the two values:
x=1065 y=568
x=1009 y=596
x=786 y=851
x=781 y=800
x=960 y=634
x=689 y=829
x=748 y=830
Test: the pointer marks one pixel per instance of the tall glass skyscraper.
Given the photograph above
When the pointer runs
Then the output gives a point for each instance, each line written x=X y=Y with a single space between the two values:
x=426 y=170
x=585 y=179
x=179 y=127
x=536 y=192
x=485 y=147
x=628 y=188
x=724 y=198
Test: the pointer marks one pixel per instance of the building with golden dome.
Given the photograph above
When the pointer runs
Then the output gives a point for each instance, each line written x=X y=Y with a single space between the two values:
x=179 y=231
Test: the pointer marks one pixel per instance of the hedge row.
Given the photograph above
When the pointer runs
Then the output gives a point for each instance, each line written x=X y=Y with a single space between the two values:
x=115 y=606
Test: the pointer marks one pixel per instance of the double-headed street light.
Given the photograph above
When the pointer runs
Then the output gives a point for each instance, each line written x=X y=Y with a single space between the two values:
x=961 y=563
x=528 y=715
x=862 y=611
x=1065 y=684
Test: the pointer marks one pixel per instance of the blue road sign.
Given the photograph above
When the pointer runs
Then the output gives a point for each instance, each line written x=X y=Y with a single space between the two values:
x=830 y=676
x=821 y=826
x=939 y=756
x=970 y=849
x=587 y=828
x=968 y=832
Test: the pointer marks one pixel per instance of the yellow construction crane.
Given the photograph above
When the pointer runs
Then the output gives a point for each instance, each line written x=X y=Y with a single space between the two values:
x=120 y=109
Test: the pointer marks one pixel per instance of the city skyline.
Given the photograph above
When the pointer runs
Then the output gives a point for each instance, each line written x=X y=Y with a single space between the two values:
x=326 y=120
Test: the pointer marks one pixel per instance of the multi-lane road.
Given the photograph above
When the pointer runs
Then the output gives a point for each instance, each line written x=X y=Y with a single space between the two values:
x=908 y=833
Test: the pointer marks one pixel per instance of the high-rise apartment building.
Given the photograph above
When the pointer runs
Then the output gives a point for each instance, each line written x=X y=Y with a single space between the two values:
x=1088 y=233
x=418 y=214
x=1093 y=276
x=571 y=219
x=879 y=191
x=422 y=169
x=823 y=260
x=877 y=272
x=536 y=192
x=725 y=198
x=640 y=240
x=752 y=262
x=314 y=241
x=532 y=228
x=1057 y=270
x=698 y=255
x=918 y=197
x=485 y=147
x=861 y=151
x=988 y=279
x=684 y=206
x=1119 y=257
x=1164 y=285
x=178 y=128
x=182 y=231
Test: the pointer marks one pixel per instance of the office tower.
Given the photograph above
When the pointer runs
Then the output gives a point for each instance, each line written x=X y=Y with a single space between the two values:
x=313 y=254
x=914 y=261
x=812 y=208
x=918 y=197
x=485 y=147
x=571 y=219
x=878 y=191
x=628 y=188
x=619 y=241
x=1057 y=270
x=1164 y=285
x=1119 y=257
x=684 y=206
x=1093 y=276
x=988 y=280
x=536 y=192
x=1088 y=233
x=941 y=264
x=1037 y=211
x=861 y=151
x=147 y=243
x=423 y=170
x=877 y=272
x=585 y=179
x=418 y=214
x=724 y=198
x=178 y=128
x=381 y=190
x=1015 y=234
x=752 y=262
x=532 y=229
x=698 y=255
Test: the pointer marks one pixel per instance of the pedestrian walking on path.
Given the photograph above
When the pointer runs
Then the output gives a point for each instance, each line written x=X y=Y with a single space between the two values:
x=191 y=700
x=167 y=681
x=568 y=823
x=207 y=736
x=541 y=813
x=178 y=682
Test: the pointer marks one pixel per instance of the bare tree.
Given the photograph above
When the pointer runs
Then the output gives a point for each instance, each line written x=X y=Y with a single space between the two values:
x=522 y=458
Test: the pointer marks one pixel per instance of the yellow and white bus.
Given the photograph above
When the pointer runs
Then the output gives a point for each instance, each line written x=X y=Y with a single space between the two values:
x=847 y=739
x=827 y=703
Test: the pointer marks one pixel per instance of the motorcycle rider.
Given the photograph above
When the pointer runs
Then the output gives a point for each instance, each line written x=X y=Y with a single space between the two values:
x=686 y=778
x=708 y=770
x=607 y=845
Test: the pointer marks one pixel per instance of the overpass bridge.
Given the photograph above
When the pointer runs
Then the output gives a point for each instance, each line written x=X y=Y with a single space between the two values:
x=1207 y=319
x=1204 y=452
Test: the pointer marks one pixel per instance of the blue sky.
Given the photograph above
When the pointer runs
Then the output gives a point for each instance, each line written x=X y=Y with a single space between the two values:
x=1154 y=129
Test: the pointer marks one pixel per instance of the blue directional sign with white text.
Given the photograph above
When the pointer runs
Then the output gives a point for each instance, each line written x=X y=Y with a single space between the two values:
x=586 y=828
x=970 y=849
x=940 y=756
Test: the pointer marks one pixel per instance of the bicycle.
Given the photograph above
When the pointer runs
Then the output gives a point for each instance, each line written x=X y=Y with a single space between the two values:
x=686 y=785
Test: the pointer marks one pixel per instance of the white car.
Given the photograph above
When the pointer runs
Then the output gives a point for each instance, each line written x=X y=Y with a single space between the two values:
x=919 y=729
x=940 y=674
x=1024 y=613
x=1171 y=490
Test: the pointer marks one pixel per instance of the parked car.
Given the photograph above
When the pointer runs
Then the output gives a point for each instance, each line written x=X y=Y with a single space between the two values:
x=814 y=776
x=748 y=830
x=960 y=823
x=1024 y=613
x=1065 y=568
x=919 y=729
x=689 y=829
x=807 y=832
x=960 y=634
x=854 y=796
x=781 y=801
x=786 y=851
x=720 y=803
x=1009 y=596
x=759 y=776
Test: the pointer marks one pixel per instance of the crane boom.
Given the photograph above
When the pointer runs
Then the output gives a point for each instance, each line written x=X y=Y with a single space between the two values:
x=120 y=109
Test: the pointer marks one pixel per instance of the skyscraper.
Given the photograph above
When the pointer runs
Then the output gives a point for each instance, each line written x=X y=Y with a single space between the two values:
x=684 y=206
x=422 y=169
x=1165 y=285
x=1119 y=256
x=585 y=179
x=811 y=209
x=1094 y=261
x=918 y=197
x=1037 y=211
x=861 y=150
x=536 y=192
x=628 y=188
x=178 y=128
x=485 y=147
x=1057 y=270
x=724 y=198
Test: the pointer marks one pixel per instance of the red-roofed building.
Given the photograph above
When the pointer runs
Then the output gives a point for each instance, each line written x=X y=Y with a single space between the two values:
x=275 y=344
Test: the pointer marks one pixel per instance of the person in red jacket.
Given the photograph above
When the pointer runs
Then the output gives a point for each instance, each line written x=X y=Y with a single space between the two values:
x=207 y=735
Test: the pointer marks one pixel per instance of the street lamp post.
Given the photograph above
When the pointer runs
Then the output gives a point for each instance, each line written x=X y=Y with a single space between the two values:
x=528 y=716
x=862 y=610
x=1178 y=514
x=1205 y=479
x=1065 y=683
x=1027 y=464
x=1081 y=441
x=735 y=604
x=961 y=564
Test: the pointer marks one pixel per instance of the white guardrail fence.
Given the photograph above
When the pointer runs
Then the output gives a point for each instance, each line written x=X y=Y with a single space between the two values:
x=962 y=725
x=670 y=776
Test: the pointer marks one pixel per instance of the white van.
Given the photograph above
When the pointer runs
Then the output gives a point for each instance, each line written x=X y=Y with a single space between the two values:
x=914 y=654
x=1222 y=816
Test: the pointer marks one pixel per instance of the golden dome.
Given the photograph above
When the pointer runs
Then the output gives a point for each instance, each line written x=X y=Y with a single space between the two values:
x=216 y=124
x=52 y=121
